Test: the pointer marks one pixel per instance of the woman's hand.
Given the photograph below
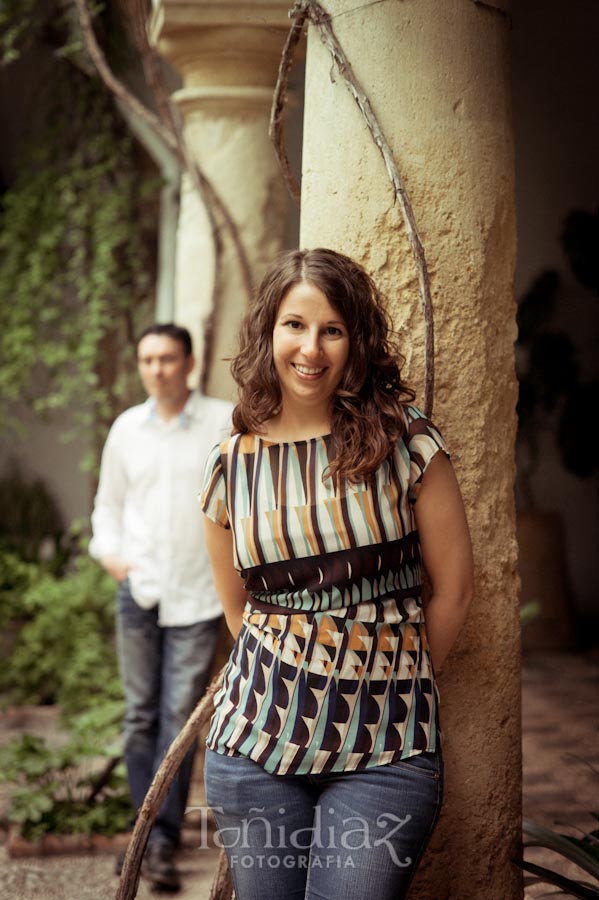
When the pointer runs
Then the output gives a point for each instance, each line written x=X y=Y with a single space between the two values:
x=446 y=553
x=229 y=586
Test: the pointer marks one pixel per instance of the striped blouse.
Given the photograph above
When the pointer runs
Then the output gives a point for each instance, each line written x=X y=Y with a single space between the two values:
x=331 y=670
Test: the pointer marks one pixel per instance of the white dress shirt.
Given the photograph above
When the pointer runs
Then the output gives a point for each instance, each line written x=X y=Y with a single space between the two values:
x=146 y=510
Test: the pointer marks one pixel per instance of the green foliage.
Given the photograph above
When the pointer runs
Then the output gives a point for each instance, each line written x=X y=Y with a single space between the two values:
x=26 y=23
x=584 y=852
x=54 y=794
x=77 y=233
x=17 y=18
x=16 y=576
x=529 y=611
x=28 y=514
x=64 y=651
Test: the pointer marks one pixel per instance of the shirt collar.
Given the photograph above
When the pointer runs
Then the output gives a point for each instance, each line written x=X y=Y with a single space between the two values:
x=191 y=410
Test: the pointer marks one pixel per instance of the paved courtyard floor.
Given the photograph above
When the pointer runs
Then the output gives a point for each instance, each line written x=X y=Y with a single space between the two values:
x=560 y=744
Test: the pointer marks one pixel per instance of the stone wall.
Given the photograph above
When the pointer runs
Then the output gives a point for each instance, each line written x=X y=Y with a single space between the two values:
x=437 y=76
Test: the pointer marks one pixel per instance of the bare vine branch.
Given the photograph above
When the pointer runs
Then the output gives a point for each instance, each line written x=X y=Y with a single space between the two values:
x=320 y=18
x=222 y=886
x=157 y=791
x=117 y=87
x=275 y=128
x=137 y=13
x=211 y=198
x=169 y=131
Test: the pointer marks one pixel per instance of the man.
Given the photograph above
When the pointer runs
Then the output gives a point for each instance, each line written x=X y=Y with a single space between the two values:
x=147 y=533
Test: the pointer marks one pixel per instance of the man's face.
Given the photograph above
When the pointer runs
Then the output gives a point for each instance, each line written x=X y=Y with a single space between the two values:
x=163 y=367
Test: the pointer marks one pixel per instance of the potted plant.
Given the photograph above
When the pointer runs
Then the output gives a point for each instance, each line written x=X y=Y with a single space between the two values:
x=555 y=399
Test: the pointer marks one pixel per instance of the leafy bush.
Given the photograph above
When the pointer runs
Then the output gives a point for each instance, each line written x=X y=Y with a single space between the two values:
x=64 y=651
x=16 y=576
x=54 y=794
x=29 y=516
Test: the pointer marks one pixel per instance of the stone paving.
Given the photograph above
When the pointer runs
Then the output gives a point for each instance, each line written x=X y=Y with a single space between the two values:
x=560 y=743
x=560 y=748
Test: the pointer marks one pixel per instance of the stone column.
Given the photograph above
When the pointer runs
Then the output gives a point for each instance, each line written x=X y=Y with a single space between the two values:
x=437 y=75
x=227 y=55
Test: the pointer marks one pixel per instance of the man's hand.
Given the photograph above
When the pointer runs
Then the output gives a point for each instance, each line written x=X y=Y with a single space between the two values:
x=117 y=567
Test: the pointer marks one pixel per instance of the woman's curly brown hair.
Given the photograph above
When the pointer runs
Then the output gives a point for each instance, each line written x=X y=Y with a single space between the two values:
x=367 y=415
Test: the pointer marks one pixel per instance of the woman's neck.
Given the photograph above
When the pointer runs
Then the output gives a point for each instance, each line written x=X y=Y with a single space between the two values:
x=297 y=427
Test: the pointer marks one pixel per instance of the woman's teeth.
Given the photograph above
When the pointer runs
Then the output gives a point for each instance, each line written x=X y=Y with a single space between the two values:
x=305 y=370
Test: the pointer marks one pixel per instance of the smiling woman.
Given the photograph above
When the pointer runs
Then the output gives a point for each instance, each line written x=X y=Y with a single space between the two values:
x=310 y=347
x=329 y=501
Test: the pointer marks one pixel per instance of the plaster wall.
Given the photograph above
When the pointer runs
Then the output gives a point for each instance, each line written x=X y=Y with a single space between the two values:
x=43 y=453
x=437 y=76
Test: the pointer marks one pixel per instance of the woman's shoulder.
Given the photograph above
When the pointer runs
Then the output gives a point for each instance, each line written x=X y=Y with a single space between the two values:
x=414 y=420
x=419 y=430
x=412 y=412
x=236 y=444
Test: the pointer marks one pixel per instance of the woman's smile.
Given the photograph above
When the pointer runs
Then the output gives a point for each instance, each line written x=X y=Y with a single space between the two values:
x=305 y=370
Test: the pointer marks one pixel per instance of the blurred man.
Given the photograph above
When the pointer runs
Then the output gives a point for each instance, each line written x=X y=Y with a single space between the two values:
x=147 y=533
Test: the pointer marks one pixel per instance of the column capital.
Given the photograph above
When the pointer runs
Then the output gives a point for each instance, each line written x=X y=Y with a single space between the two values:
x=222 y=43
x=173 y=14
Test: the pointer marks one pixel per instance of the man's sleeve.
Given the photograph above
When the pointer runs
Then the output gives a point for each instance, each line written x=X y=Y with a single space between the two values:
x=107 y=517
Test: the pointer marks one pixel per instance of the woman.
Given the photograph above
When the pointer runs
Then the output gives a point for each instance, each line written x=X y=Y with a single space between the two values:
x=323 y=765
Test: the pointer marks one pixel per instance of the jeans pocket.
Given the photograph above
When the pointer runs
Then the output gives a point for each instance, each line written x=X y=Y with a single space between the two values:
x=426 y=764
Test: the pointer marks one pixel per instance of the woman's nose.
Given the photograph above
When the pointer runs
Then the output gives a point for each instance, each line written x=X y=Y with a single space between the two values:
x=311 y=345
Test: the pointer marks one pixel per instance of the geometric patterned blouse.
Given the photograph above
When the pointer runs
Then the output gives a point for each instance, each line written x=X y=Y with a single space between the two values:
x=331 y=670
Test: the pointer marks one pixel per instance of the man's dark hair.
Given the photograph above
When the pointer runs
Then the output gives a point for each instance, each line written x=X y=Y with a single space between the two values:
x=169 y=329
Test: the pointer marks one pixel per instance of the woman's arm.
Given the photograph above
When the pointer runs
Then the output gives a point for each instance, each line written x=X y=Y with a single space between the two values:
x=446 y=553
x=229 y=586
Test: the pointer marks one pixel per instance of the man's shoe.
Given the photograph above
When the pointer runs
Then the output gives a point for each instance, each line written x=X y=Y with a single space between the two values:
x=158 y=867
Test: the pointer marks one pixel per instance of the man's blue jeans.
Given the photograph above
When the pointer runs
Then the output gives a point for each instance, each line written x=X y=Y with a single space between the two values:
x=353 y=835
x=164 y=673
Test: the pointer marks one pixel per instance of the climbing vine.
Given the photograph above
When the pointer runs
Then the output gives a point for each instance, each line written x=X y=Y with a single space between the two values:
x=76 y=262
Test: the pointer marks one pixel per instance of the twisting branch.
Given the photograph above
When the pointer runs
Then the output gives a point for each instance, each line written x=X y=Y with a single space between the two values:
x=137 y=13
x=212 y=200
x=222 y=886
x=117 y=87
x=319 y=17
x=275 y=128
x=158 y=790
x=170 y=132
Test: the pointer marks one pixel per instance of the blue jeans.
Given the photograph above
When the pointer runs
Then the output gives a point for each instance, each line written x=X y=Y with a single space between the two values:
x=347 y=836
x=164 y=673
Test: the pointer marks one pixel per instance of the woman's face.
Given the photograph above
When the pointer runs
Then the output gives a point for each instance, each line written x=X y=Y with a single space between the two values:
x=310 y=346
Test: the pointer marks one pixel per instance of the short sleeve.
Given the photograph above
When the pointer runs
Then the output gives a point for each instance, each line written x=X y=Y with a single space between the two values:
x=424 y=440
x=213 y=496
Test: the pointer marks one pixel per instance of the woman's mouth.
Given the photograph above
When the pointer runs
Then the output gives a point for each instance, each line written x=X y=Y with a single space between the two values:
x=307 y=370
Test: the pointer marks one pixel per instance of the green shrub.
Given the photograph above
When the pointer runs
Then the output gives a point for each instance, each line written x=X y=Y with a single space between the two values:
x=56 y=793
x=64 y=651
x=61 y=650
x=16 y=577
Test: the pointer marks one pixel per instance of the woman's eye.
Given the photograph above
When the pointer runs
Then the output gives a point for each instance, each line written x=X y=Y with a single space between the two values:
x=332 y=330
x=293 y=324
